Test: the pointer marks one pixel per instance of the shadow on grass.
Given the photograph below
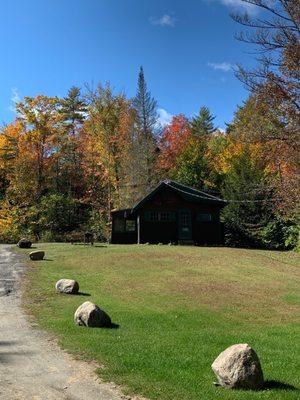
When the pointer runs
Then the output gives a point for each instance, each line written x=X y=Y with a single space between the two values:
x=113 y=326
x=74 y=294
x=268 y=385
x=272 y=384
x=89 y=245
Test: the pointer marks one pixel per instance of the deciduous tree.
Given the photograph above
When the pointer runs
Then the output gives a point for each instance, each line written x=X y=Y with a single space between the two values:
x=173 y=142
x=275 y=33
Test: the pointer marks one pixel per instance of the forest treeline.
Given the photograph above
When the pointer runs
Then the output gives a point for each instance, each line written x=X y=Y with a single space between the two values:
x=66 y=163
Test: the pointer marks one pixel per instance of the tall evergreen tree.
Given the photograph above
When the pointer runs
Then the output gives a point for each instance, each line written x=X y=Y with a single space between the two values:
x=144 y=148
x=73 y=108
x=146 y=108
x=203 y=124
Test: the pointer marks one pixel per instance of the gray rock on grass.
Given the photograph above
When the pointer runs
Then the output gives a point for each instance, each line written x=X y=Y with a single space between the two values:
x=24 y=243
x=238 y=367
x=68 y=286
x=37 y=255
x=90 y=315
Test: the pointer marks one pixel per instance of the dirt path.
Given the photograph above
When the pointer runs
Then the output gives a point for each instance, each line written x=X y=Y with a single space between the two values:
x=31 y=366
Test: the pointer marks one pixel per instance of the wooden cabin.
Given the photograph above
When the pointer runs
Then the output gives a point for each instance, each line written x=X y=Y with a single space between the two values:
x=171 y=213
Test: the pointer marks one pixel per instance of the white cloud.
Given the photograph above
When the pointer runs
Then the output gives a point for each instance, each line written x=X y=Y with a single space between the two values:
x=223 y=66
x=237 y=5
x=165 y=20
x=14 y=98
x=164 y=118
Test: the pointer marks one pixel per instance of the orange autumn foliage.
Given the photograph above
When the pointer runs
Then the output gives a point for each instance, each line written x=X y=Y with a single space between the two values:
x=175 y=138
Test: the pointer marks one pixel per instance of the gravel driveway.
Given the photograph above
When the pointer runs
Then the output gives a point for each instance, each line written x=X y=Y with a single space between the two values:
x=32 y=367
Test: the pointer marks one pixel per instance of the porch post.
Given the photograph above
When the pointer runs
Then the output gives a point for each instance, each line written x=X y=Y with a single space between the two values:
x=138 y=229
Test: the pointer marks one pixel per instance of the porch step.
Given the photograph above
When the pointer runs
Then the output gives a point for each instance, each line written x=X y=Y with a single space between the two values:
x=186 y=242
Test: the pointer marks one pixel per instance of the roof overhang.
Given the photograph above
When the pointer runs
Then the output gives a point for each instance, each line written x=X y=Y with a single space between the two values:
x=186 y=192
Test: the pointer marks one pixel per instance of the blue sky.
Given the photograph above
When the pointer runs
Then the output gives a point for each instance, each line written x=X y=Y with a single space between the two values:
x=187 y=49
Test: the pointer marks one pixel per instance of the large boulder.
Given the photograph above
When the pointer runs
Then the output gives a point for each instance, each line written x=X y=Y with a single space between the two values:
x=24 y=243
x=88 y=314
x=37 y=255
x=238 y=367
x=68 y=286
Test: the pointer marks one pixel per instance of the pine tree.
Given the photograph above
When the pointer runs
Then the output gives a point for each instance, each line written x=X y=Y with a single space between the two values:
x=145 y=106
x=73 y=108
x=250 y=205
x=144 y=148
x=192 y=165
x=202 y=124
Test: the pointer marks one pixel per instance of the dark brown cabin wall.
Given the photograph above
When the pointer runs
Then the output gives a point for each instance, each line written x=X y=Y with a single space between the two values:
x=123 y=237
x=203 y=233
x=166 y=232
x=158 y=232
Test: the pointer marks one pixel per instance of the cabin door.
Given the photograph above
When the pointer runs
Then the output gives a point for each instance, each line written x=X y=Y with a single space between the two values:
x=185 y=224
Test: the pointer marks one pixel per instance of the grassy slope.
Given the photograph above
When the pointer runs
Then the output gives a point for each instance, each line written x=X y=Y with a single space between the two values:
x=178 y=308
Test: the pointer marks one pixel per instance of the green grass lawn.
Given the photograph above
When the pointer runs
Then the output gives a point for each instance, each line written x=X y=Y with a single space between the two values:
x=178 y=308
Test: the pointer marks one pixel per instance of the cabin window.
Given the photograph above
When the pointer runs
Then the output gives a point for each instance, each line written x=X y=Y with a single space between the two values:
x=165 y=216
x=162 y=216
x=204 y=217
x=152 y=216
x=130 y=225
x=119 y=225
